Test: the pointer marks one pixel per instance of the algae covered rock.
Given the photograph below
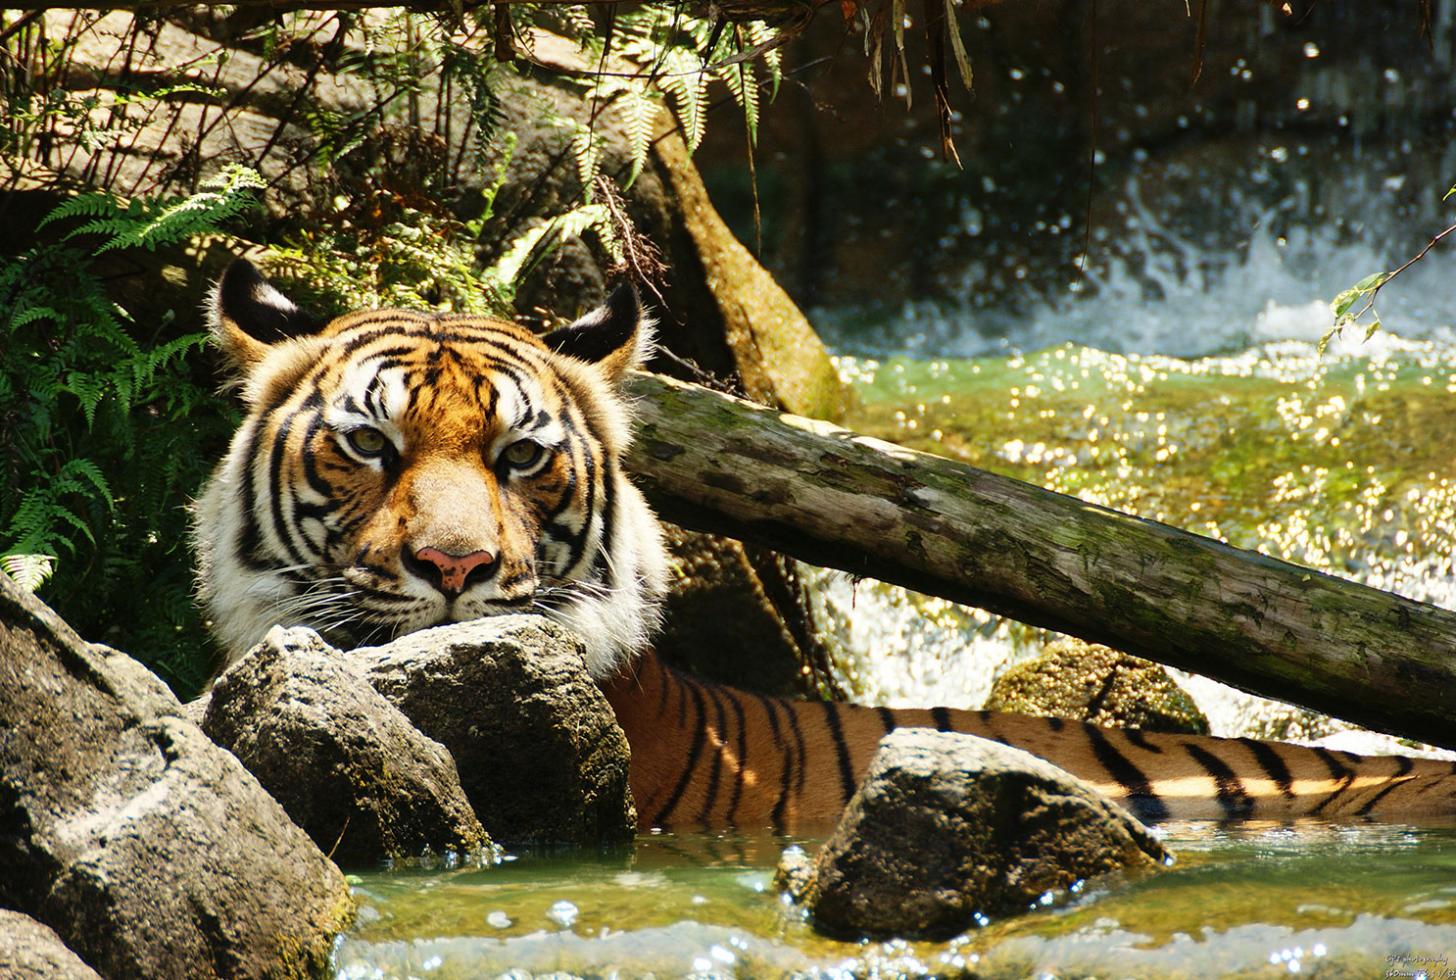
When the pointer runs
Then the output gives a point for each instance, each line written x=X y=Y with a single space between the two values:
x=30 y=950
x=947 y=829
x=348 y=767
x=148 y=849
x=540 y=754
x=1084 y=681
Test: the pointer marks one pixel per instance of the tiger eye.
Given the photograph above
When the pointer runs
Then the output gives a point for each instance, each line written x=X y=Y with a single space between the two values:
x=367 y=442
x=522 y=454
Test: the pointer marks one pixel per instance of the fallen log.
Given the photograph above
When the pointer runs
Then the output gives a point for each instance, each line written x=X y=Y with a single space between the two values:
x=830 y=497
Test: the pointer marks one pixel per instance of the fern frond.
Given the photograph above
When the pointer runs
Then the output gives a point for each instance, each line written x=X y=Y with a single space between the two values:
x=533 y=245
x=687 y=83
x=28 y=571
x=639 y=113
x=95 y=204
x=586 y=151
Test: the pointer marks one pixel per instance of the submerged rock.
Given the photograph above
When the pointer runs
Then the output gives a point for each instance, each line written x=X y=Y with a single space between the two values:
x=349 y=768
x=947 y=828
x=30 y=950
x=151 y=851
x=539 y=751
x=1084 y=681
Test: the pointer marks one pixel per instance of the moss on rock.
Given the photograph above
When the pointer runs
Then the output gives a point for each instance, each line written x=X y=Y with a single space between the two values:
x=1088 y=682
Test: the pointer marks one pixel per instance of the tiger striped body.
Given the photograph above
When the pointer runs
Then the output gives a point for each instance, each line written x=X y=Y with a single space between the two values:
x=398 y=470
x=758 y=761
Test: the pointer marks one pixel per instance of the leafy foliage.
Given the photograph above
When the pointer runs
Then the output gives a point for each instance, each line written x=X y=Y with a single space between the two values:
x=107 y=429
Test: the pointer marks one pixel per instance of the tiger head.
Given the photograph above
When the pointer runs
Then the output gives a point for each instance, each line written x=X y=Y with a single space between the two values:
x=399 y=469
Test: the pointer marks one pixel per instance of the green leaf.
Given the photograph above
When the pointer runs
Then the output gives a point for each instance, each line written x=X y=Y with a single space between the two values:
x=29 y=571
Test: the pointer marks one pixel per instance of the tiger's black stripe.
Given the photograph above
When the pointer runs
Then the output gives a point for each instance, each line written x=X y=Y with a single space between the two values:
x=742 y=743
x=887 y=718
x=841 y=748
x=1370 y=804
x=773 y=719
x=715 y=772
x=786 y=777
x=1338 y=770
x=281 y=523
x=1272 y=764
x=1232 y=796
x=1136 y=737
x=941 y=717
x=1142 y=799
x=700 y=737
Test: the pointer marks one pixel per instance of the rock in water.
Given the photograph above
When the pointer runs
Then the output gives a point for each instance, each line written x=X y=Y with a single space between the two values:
x=348 y=767
x=946 y=827
x=150 y=851
x=1090 y=682
x=30 y=950
x=539 y=750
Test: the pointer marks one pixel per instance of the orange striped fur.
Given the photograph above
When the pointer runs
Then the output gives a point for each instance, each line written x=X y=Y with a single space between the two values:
x=708 y=755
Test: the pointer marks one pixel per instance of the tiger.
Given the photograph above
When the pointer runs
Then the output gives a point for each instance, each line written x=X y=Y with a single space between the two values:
x=399 y=469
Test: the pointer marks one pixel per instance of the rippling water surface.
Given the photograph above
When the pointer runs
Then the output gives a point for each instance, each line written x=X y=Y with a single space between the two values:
x=1252 y=900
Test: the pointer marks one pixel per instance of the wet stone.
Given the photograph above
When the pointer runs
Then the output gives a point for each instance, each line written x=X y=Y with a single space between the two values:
x=349 y=768
x=540 y=754
x=948 y=830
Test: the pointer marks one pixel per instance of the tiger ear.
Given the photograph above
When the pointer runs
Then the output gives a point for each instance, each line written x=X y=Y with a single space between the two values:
x=248 y=316
x=615 y=336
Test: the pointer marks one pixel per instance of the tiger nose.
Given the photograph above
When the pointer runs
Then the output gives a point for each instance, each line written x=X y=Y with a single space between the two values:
x=451 y=573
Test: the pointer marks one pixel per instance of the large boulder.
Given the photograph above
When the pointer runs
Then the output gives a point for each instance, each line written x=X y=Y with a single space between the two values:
x=1090 y=682
x=348 y=767
x=30 y=950
x=151 y=851
x=947 y=830
x=539 y=751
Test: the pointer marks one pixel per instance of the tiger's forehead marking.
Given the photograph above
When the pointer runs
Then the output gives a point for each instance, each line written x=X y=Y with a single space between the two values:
x=444 y=381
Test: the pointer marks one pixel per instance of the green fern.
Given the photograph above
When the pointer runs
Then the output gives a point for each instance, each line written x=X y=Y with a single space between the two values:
x=105 y=434
x=151 y=224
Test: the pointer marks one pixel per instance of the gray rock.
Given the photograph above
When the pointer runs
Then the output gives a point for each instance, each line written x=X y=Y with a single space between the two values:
x=30 y=949
x=148 y=849
x=946 y=827
x=538 y=747
x=348 y=767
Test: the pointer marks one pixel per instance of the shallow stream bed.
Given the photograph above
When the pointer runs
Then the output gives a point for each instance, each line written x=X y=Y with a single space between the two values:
x=1256 y=900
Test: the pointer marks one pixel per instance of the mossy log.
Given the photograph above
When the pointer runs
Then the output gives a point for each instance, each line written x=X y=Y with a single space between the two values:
x=828 y=496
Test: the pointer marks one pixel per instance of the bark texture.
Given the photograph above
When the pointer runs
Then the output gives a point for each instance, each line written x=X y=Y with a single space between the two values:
x=827 y=496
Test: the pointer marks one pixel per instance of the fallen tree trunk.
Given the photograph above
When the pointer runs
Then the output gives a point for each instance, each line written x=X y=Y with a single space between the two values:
x=830 y=497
